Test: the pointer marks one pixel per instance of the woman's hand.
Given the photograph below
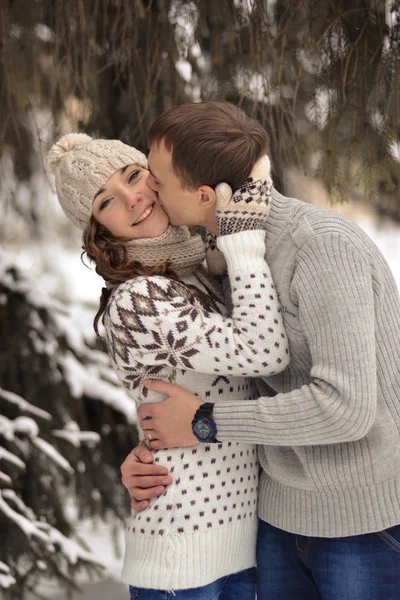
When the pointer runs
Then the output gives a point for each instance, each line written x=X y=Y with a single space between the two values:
x=248 y=207
x=168 y=424
x=143 y=479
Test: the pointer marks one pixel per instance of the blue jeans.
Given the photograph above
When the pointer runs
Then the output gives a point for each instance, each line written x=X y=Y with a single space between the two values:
x=295 y=567
x=240 y=585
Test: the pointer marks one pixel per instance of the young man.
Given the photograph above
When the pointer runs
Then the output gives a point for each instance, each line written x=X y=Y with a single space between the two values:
x=328 y=427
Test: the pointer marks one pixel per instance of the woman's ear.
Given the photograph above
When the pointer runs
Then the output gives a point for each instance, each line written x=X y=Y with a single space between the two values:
x=208 y=196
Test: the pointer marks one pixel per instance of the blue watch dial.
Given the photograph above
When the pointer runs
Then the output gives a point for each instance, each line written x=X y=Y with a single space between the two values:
x=202 y=428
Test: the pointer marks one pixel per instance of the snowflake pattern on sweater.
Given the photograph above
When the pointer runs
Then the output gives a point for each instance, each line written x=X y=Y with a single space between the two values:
x=157 y=328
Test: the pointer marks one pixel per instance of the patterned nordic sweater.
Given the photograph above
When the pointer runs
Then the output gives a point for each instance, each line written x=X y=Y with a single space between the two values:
x=204 y=526
x=331 y=427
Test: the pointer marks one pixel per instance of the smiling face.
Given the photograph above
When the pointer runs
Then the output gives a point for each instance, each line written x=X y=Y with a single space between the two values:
x=128 y=207
x=183 y=206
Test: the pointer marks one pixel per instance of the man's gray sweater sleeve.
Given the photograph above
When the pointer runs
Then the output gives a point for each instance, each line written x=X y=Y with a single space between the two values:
x=333 y=289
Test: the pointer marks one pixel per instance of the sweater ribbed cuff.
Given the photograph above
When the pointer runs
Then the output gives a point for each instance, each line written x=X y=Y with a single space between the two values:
x=228 y=418
x=243 y=250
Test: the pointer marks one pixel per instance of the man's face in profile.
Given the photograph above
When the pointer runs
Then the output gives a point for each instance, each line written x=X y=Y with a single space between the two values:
x=181 y=204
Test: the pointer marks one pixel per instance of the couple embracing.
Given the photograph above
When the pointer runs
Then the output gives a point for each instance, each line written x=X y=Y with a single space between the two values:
x=266 y=382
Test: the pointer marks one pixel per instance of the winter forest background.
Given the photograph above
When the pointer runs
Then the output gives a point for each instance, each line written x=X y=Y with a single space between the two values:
x=321 y=75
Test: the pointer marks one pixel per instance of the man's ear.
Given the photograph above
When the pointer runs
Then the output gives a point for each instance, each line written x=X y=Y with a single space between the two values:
x=208 y=196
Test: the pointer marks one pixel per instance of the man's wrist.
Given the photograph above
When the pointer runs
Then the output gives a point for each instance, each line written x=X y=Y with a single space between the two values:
x=203 y=424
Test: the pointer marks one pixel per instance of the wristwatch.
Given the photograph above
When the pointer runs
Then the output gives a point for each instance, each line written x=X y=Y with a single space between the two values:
x=203 y=425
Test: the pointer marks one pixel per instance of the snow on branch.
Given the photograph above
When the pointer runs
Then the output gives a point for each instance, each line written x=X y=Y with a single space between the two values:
x=27 y=426
x=20 y=504
x=65 y=428
x=53 y=454
x=85 y=380
x=71 y=549
x=23 y=405
x=11 y=458
x=6 y=579
x=5 y=479
x=28 y=527
x=73 y=435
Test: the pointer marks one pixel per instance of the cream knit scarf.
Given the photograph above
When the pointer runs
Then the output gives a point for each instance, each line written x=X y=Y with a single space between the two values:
x=184 y=252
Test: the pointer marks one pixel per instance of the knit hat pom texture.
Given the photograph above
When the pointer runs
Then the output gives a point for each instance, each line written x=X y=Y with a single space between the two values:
x=65 y=144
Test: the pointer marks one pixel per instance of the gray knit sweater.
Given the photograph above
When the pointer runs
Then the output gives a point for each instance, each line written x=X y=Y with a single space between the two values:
x=330 y=423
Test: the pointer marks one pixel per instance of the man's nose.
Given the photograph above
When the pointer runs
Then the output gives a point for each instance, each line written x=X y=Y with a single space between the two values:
x=151 y=182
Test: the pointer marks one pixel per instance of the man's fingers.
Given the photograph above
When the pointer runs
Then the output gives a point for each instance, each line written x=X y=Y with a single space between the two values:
x=160 y=445
x=139 y=506
x=146 y=482
x=141 y=494
x=132 y=470
x=169 y=389
x=143 y=453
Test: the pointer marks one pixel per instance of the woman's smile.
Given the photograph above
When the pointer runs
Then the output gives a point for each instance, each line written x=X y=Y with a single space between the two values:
x=144 y=215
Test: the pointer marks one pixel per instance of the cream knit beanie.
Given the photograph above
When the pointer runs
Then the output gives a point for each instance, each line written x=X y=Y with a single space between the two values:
x=82 y=166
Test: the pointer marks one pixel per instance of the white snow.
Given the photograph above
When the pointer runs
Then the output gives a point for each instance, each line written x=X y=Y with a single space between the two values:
x=71 y=549
x=44 y=33
x=53 y=454
x=12 y=458
x=23 y=405
x=321 y=107
x=386 y=235
x=184 y=69
x=395 y=150
x=6 y=581
x=6 y=428
x=20 y=504
x=4 y=568
x=75 y=438
x=5 y=479
x=84 y=380
x=29 y=527
x=27 y=426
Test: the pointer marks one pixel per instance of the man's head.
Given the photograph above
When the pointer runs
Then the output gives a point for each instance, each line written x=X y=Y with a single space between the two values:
x=193 y=147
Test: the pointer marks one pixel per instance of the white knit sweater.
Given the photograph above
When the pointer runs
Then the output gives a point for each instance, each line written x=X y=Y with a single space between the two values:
x=204 y=526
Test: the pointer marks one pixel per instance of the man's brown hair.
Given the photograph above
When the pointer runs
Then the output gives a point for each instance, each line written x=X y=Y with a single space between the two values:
x=210 y=142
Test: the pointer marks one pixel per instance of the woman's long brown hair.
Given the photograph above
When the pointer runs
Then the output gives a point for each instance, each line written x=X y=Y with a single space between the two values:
x=111 y=259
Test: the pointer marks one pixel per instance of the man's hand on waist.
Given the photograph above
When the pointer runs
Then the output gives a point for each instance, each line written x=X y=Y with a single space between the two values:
x=143 y=479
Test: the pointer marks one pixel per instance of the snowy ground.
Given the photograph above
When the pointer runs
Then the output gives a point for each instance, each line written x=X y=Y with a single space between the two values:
x=85 y=285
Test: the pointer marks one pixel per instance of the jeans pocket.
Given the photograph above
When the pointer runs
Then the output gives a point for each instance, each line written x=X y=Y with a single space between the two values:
x=134 y=593
x=391 y=537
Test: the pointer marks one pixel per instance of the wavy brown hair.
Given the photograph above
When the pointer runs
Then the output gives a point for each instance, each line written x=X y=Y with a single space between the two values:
x=111 y=259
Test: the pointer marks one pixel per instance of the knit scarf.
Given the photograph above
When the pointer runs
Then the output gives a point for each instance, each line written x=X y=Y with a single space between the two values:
x=184 y=252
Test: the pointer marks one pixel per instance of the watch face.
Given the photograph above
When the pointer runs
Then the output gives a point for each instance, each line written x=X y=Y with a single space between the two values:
x=202 y=428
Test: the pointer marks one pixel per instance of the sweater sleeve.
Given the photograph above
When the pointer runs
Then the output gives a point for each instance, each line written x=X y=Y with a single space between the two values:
x=157 y=322
x=333 y=289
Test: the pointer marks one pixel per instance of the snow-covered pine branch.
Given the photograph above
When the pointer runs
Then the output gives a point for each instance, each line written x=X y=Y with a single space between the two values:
x=65 y=427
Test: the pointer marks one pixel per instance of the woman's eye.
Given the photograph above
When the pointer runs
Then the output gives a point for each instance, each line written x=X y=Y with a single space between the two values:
x=133 y=176
x=105 y=203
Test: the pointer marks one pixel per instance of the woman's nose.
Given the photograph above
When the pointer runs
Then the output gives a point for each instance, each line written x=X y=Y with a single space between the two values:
x=131 y=198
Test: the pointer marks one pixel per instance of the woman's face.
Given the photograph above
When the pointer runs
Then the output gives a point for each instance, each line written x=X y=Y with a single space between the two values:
x=127 y=207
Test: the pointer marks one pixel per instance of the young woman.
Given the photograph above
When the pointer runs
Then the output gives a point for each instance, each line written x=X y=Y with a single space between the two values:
x=164 y=318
